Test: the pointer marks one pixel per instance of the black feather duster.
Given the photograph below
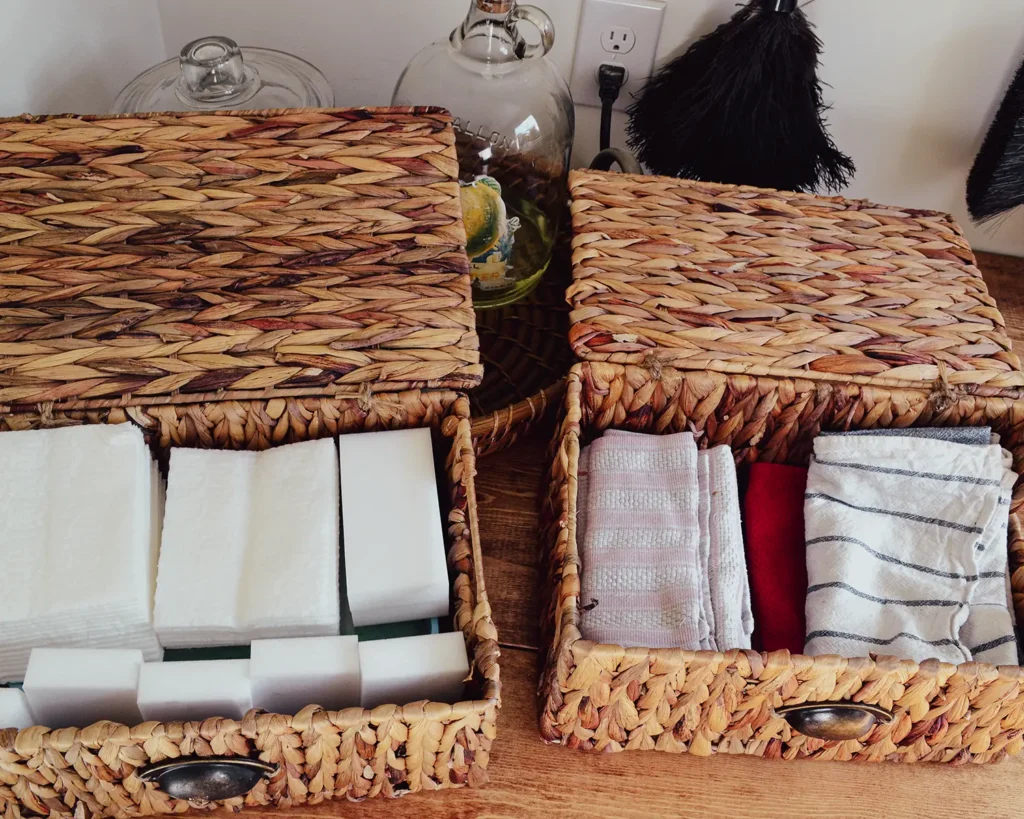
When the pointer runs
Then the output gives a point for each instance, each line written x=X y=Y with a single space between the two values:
x=743 y=105
x=996 y=181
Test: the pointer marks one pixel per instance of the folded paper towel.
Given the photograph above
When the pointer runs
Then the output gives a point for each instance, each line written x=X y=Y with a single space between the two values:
x=250 y=546
x=79 y=512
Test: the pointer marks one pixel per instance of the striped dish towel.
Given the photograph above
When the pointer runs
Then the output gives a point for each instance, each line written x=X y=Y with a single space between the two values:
x=978 y=436
x=640 y=579
x=906 y=549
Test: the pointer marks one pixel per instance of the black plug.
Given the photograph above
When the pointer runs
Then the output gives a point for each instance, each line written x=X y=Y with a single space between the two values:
x=610 y=79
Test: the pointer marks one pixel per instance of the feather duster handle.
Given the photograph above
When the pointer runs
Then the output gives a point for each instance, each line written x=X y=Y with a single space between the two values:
x=743 y=106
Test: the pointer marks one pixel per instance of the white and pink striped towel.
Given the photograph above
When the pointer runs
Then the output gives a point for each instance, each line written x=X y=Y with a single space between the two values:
x=662 y=550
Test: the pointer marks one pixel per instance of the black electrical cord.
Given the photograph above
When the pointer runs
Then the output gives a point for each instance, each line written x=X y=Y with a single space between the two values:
x=610 y=78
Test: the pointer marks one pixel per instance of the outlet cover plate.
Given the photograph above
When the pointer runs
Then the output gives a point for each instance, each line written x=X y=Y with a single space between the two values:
x=643 y=18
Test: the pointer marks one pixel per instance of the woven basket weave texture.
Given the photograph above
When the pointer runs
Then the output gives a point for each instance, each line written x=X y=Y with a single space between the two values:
x=526 y=354
x=354 y=753
x=790 y=285
x=162 y=258
x=610 y=698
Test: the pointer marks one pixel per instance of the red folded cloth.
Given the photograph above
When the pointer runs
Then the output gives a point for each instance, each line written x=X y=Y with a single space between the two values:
x=776 y=555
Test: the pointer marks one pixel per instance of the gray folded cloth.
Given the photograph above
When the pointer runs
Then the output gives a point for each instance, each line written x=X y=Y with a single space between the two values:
x=972 y=436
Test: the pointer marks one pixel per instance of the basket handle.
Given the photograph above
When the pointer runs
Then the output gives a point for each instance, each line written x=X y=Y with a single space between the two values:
x=833 y=720
x=202 y=780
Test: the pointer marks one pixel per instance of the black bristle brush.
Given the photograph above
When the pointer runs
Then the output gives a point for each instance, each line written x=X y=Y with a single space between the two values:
x=743 y=105
x=996 y=182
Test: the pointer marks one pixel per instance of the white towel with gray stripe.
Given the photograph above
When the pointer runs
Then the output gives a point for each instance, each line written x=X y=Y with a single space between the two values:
x=906 y=550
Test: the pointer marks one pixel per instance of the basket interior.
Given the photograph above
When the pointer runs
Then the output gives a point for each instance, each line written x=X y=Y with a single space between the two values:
x=258 y=425
x=761 y=419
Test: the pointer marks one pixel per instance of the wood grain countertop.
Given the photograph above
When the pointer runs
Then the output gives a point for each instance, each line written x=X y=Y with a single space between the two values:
x=531 y=779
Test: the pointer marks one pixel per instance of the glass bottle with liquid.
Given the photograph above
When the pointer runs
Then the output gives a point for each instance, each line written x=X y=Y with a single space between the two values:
x=514 y=124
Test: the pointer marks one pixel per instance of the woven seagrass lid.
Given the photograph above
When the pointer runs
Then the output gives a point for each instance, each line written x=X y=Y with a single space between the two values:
x=743 y=280
x=169 y=258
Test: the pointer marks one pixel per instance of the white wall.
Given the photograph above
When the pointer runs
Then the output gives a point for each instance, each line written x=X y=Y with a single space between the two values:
x=58 y=56
x=360 y=45
x=914 y=82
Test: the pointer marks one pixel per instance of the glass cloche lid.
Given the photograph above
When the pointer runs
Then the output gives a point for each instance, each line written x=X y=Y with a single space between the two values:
x=213 y=73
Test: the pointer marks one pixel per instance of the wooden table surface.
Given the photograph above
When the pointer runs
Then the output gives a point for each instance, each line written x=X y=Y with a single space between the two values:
x=529 y=778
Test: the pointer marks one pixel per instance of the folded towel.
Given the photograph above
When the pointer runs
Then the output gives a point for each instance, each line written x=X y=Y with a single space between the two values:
x=774 y=523
x=640 y=582
x=900 y=536
x=991 y=625
x=976 y=436
x=707 y=620
x=729 y=587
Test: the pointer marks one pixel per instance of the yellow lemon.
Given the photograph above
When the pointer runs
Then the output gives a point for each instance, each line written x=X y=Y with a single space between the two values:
x=483 y=213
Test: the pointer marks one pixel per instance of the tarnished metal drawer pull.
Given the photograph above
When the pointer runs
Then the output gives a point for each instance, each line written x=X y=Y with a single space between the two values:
x=833 y=720
x=207 y=779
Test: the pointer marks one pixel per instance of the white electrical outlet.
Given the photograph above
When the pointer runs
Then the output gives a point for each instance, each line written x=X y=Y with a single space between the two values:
x=621 y=32
x=618 y=39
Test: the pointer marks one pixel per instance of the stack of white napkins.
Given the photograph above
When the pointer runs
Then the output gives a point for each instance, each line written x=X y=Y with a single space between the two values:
x=251 y=546
x=80 y=511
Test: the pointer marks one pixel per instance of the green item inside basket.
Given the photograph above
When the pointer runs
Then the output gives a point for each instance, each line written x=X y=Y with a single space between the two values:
x=181 y=655
x=389 y=631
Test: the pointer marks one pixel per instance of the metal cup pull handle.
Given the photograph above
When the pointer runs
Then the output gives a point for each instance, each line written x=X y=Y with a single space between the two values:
x=833 y=720
x=207 y=779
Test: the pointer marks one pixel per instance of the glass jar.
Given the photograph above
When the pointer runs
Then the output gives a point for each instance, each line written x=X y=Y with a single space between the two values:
x=213 y=73
x=514 y=124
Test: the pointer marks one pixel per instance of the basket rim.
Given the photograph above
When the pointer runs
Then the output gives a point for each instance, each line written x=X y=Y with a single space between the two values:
x=419 y=110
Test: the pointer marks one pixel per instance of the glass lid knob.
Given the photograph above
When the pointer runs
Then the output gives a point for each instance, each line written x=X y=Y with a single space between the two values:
x=213 y=71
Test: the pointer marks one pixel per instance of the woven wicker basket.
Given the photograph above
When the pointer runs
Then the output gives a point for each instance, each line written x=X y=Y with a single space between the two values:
x=760 y=318
x=244 y=280
x=609 y=698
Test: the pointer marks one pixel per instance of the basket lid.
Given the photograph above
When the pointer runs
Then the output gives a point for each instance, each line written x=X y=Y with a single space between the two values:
x=168 y=258
x=704 y=276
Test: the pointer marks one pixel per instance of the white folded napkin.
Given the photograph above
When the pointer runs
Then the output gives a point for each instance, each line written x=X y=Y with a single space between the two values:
x=251 y=546
x=78 y=512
